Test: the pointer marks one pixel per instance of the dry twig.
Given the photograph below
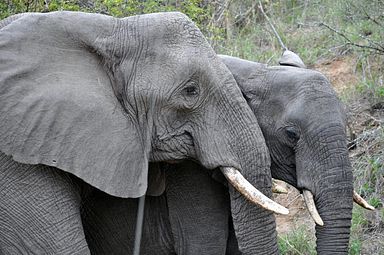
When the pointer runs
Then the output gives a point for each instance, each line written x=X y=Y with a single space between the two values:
x=374 y=46
x=272 y=26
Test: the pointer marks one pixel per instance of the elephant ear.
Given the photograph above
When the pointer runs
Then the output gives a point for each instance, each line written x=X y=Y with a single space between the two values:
x=58 y=108
x=250 y=76
x=290 y=58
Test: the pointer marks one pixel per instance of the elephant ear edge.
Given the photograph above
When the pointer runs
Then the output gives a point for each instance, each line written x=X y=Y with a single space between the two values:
x=290 y=58
x=58 y=108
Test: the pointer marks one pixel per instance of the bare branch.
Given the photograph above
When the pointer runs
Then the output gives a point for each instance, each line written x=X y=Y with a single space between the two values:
x=241 y=17
x=374 y=46
x=220 y=8
x=366 y=14
x=273 y=28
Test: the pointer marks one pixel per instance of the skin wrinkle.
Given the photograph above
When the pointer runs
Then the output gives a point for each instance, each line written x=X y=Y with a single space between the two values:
x=88 y=160
x=203 y=98
x=43 y=199
x=160 y=125
x=306 y=98
x=285 y=170
x=181 y=195
x=237 y=209
x=248 y=233
x=321 y=197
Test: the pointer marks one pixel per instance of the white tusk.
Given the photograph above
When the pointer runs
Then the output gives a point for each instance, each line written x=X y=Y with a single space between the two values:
x=250 y=192
x=277 y=188
x=308 y=199
x=360 y=201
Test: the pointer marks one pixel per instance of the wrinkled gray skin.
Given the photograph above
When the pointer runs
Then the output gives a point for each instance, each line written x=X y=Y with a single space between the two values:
x=303 y=123
x=97 y=97
x=304 y=126
x=190 y=217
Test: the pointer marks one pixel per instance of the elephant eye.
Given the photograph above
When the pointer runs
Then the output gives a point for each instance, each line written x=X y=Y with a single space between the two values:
x=292 y=133
x=191 y=90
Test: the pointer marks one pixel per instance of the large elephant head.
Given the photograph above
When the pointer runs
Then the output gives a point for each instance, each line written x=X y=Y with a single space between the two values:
x=100 y=97
x=303 y=123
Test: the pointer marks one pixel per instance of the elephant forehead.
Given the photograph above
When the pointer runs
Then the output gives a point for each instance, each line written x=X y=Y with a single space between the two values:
x=297 y=81
x=181 y=30
x=174 y=31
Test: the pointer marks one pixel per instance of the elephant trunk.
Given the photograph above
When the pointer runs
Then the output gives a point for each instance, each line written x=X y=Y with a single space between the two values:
x=323 y=167
x=334 y=201
x=246 y=150
x=254 y=226
x=335 y=208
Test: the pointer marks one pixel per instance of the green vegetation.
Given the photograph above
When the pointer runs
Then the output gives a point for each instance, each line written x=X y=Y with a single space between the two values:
x=195 y=9
x=298 y=242
x=321 y=32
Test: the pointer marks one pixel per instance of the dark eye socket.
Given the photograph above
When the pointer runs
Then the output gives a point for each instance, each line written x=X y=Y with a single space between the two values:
x=292 y=133
x=191 y=90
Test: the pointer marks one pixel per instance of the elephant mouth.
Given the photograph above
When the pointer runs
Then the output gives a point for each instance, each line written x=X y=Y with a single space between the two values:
x=311 y=205
x=173 y=147
x=165 y=144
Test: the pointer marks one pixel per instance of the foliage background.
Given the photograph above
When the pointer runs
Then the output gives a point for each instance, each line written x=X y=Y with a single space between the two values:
x=326 y=34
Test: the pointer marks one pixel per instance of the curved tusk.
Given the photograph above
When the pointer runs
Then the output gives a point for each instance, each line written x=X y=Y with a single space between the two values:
x=277 y=188
x=308 y=199
x=250 y=192
x=361 y=201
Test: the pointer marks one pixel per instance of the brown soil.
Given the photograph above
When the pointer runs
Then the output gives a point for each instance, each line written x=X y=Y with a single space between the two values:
x=298 y=214
x=341 y=72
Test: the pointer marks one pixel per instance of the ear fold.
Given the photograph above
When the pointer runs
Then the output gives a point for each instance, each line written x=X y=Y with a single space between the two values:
x=290 y=58
x=57 y=108
x=250 y=76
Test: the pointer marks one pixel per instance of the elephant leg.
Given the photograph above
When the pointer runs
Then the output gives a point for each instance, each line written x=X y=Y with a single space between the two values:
x=109 y=224
x=198 y=210
x=39 y=210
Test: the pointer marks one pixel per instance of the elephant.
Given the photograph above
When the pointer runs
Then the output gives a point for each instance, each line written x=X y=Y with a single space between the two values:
x=88 y=101
x=303 y=123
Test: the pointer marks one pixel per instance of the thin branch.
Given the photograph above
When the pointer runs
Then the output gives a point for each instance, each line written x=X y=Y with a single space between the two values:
x=372 y=18
x=293 y=200
x=366 y=14
x=273 y=28
x=241 y=17
x=378 y=48
x=220 y=9
x=290 y=245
